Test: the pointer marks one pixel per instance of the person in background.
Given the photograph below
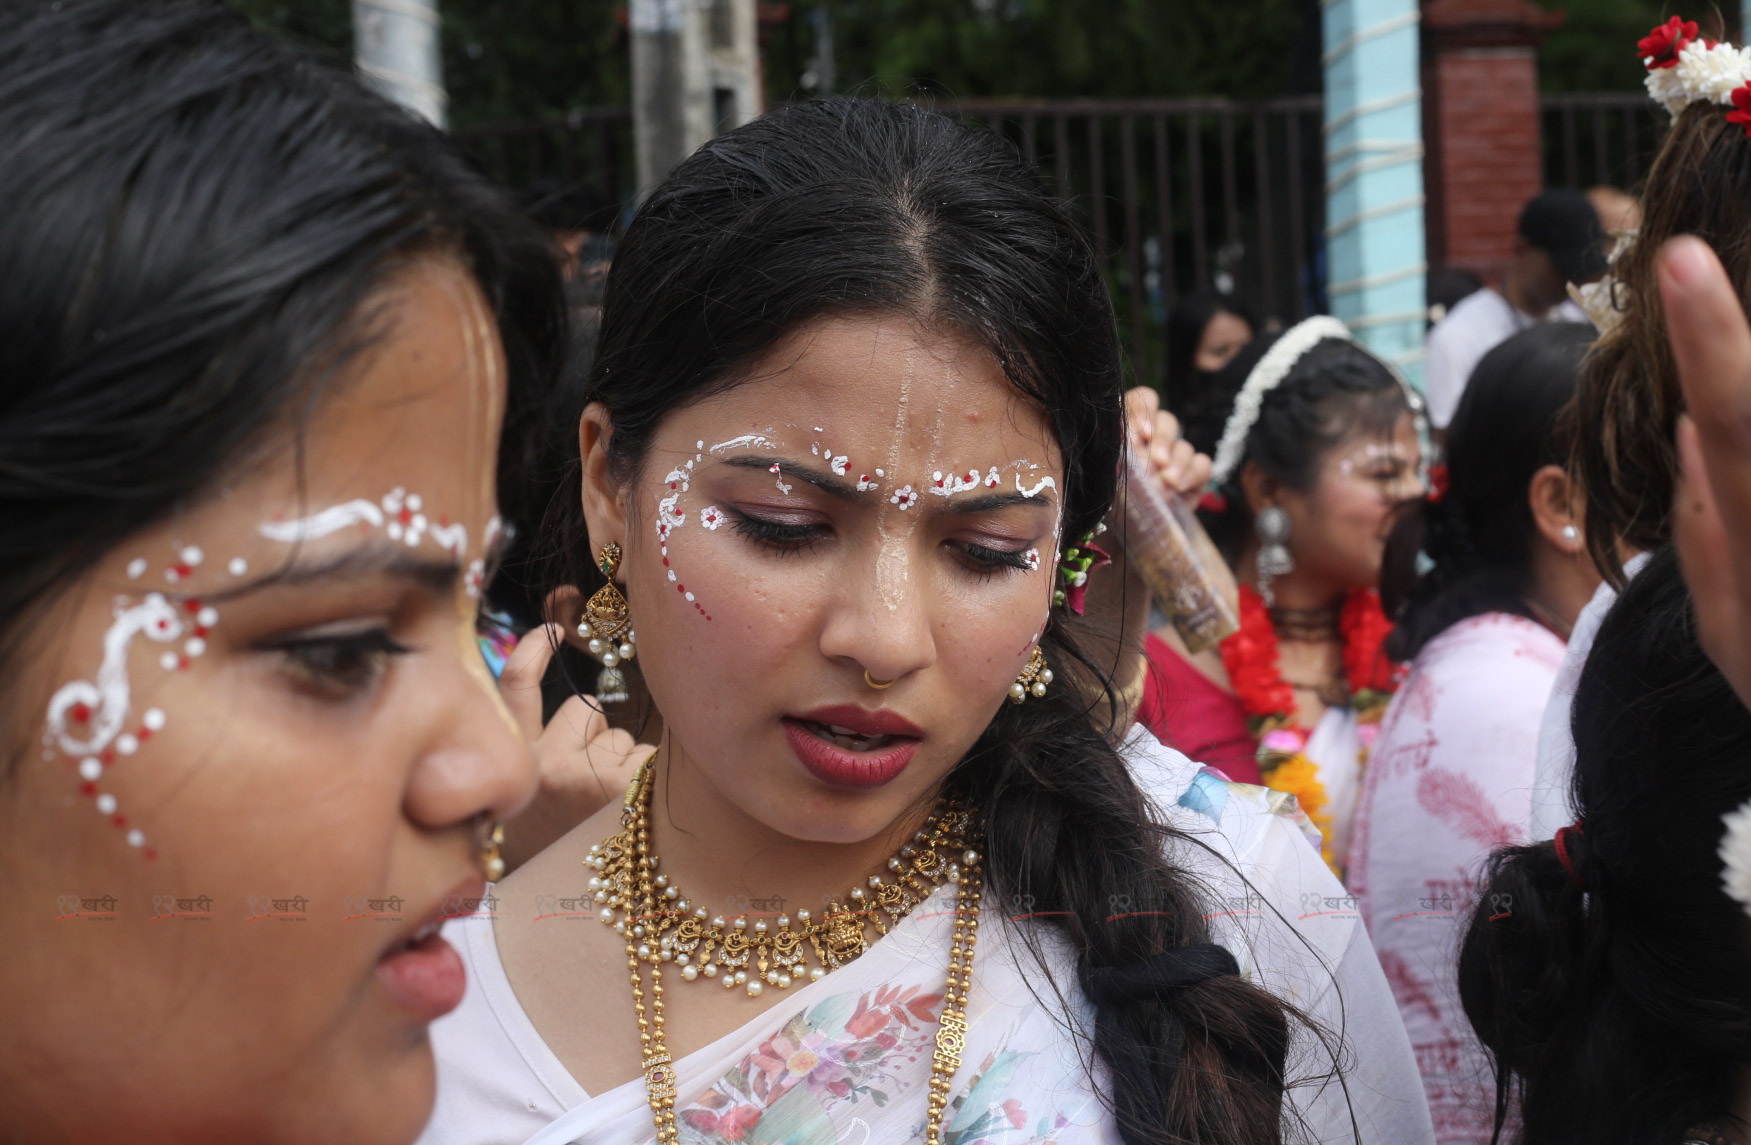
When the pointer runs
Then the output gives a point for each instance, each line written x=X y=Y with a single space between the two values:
x=1205 y=330
x=580 y=218
x=1560 y=241
x=1629 y=401
x=1503 y=574
x=1315 y=444
x=1619 y=212
x=1449 y=286
x=1605 y=969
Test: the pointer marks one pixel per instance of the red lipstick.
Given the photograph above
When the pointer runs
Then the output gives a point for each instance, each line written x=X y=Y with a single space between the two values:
x=848 y=746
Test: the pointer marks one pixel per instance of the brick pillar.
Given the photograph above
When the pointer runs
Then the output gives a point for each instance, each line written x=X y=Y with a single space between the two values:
x=1483 y=158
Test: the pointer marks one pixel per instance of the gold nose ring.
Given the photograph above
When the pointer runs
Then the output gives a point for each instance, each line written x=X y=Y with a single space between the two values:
x=877 y=684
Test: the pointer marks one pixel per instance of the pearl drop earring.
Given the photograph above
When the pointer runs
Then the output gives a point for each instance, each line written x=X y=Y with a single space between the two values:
x=1570 y=533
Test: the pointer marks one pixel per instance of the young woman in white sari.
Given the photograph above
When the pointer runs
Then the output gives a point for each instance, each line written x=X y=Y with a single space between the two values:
x=890 y=874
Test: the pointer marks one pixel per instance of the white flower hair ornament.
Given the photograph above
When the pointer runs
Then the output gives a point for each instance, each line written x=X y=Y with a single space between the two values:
x=1735 y=853
x=1684 y=68
x=1269 y=373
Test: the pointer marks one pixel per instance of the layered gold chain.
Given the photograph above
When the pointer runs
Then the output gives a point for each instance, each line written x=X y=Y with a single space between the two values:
x=662 y=927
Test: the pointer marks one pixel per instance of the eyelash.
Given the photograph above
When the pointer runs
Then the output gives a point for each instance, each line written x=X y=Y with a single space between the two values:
x=786 y=540
x=343 y=665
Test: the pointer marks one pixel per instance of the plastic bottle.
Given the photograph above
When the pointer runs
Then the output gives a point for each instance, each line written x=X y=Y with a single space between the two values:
x=1177 y=560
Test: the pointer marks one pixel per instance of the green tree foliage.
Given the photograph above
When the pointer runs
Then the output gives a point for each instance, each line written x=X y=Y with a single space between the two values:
x=1594 y=47
x=1068 y=47
x=525 y=59
x=504 y=60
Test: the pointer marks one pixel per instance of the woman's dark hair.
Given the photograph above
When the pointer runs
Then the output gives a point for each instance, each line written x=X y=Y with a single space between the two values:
x=191 y=215
x=1510 y=423
x=1619 y=1009
x=1186 y=321
x=1335 y=389
x=846 y=206
x=1628 y=400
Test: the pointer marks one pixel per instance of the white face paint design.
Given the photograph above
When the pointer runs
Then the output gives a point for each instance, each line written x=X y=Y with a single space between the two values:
x=752 y=440
x=904 y=497
x=1044 y=483
x=670 y=517
x=400 y=514
x=86 y=718
x=1032 y=557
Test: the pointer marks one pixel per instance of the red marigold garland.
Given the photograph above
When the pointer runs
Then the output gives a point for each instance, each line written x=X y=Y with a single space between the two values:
x=1252 y=657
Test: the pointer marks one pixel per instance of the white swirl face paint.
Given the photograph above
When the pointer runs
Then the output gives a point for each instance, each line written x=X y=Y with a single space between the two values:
x=99 y=706
x=87 y=720
x=400 y=514
x=670 y=517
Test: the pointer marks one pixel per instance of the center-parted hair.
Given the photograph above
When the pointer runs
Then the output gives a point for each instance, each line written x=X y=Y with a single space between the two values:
x=845 y=207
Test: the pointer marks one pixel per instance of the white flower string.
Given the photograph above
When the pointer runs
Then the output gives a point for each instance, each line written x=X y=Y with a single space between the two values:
x=1735 y=853
x=1266 y=376
x=1705 y=72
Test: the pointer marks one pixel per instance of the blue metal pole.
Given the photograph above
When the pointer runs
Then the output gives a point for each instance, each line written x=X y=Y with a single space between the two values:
x=1374 y=175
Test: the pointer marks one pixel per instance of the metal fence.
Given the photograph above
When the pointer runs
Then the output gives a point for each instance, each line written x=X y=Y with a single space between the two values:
x=1180 y=193
x=1604 y=138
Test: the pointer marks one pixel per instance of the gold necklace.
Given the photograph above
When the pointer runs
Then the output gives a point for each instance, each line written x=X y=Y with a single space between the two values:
x=644 y=905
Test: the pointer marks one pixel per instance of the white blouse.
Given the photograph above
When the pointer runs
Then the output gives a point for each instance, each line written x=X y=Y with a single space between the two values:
x=846 y=1058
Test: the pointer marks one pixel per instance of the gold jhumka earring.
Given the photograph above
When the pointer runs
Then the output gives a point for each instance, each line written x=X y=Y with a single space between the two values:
x=607 y=625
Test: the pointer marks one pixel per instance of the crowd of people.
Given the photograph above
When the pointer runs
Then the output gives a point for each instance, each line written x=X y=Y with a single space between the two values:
x=748 y=595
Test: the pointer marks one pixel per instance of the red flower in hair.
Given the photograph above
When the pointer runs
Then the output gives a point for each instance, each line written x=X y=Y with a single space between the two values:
x=1741 y=113
x=1660 y=47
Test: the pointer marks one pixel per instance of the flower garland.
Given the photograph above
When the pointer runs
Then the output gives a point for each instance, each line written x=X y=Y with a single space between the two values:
x=1684 y=68
x=1252 y=657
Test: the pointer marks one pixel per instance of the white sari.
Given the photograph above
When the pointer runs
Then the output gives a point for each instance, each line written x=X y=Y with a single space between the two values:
x=847 y=1058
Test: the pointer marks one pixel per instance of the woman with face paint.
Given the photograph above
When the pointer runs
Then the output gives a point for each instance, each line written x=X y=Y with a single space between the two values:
x=260 y=332
x=890 y=875
x=1316 y=442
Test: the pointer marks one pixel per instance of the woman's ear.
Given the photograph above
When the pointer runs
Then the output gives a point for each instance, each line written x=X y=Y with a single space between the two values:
x=1551 y=497
x=604 y=500
x=565 y=607
x=1261 y=488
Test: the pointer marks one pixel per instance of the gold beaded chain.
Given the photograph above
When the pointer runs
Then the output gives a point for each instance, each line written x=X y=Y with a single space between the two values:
x=643 y=905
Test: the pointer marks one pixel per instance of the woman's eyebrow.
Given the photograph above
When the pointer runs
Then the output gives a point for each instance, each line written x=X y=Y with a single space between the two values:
x=825 y=482
x=989 y=502
x=844 y=491
x=372 y=559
